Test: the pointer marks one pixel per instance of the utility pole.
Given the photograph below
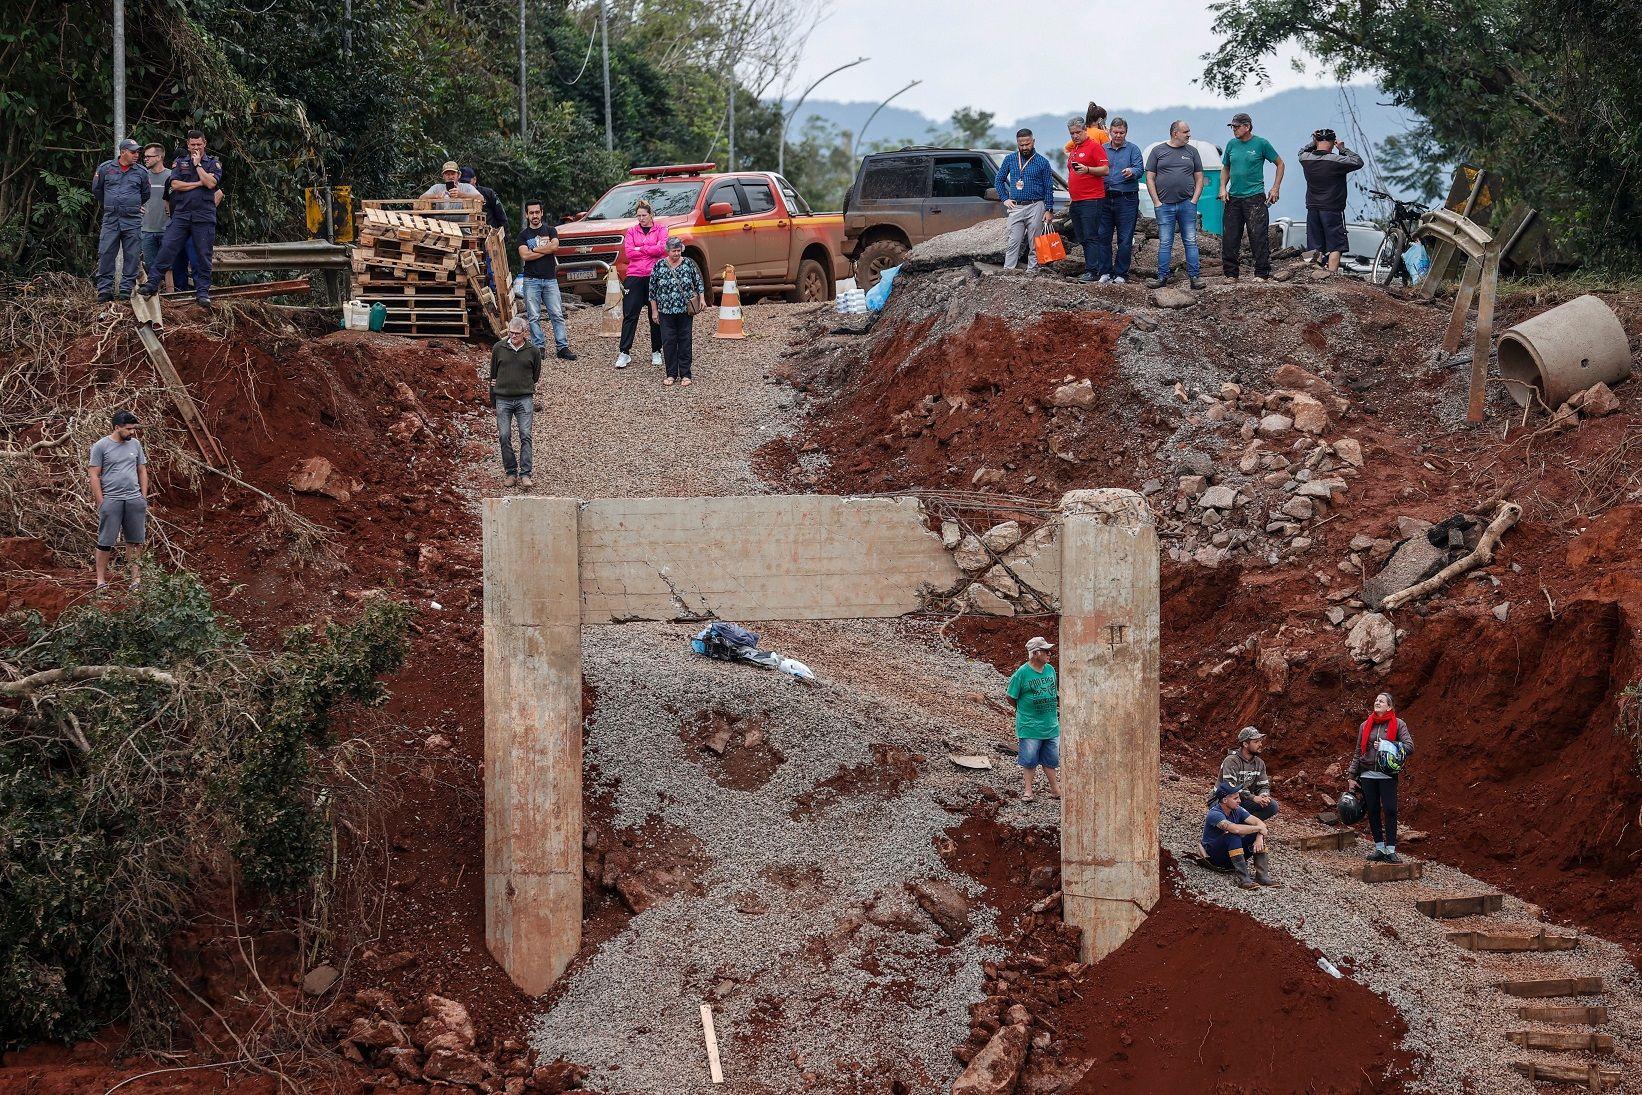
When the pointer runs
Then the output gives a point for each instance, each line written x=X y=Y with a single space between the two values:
x=604 y=46
x=732 y=117
x=522 y=115
x=119 y=73
x=347 y=30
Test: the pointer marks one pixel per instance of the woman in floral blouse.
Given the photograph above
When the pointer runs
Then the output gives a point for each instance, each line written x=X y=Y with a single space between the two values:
x=676 y=295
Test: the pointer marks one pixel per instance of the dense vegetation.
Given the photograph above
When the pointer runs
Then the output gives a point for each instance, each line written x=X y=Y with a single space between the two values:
x=145 y=749
x=293 y=95
x=1534 y=89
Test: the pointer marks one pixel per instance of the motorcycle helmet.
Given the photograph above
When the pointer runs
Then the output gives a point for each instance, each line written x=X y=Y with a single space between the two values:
x=1390 y=757
x=1350 y=808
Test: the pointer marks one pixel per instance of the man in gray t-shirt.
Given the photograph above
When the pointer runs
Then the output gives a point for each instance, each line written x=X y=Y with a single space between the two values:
x=119 y=490
x=1174 y=178
x=155 y=213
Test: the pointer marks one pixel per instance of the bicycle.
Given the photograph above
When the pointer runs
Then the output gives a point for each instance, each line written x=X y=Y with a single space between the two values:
x=1402 y=229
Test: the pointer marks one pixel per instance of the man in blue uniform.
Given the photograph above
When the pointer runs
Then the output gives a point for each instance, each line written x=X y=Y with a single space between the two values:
x=1233 y=837
x=121 y=184
x=196 y=178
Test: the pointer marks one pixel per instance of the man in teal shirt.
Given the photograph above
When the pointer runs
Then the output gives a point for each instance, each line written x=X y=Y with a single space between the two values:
x=1034 y=693
x=1243 y=192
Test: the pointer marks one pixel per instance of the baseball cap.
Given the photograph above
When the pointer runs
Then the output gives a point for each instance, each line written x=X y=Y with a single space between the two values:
x=128 y=145
x=1240 y=118
x=124 y=418
x=1223 y=790
x=1249 y=733
x=468 y=174
x=450 y=165
x=1038 y=642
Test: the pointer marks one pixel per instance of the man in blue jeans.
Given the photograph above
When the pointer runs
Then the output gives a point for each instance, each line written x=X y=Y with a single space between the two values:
x=539 y=247
x=1086 y=181
x=1034 y=693
x=1121 y=210
x=195 y=190
x=515 y=369
x=1174 y=178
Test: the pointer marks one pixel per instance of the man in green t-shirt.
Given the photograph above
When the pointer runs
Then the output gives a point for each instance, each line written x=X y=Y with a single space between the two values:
x=1034 y=693
x=1243 y=192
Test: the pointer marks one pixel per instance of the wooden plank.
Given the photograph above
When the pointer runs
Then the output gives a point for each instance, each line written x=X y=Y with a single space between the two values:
x=1448 y=908
x=1311 y=842
x=710 y=1036
x=184 y=402
x=1576 y=1040
x=1482 y=347
x=1540 y=988
x=1594 y=1077
x=1592 y=1014
x=252 y=291
x=1513 y=942
x=1389 y=872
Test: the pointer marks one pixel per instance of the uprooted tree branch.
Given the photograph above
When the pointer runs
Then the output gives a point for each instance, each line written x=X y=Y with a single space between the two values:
x=144 y=746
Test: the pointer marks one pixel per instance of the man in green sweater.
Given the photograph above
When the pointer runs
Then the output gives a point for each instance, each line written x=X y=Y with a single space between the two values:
x=515 y=367
x=1034 y=693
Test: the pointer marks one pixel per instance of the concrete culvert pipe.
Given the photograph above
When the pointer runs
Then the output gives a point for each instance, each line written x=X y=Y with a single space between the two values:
x=1563 y=351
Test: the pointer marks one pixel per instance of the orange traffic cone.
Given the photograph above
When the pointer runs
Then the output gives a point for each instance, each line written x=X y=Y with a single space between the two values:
x=610 y=322
x=729 y=309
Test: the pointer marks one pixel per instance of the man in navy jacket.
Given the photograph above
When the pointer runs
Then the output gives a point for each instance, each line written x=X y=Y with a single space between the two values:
x=1026 y=183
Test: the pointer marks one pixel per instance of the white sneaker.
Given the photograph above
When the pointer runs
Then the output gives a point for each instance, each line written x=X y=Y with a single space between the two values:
x=1120 y=281
x=622 y=360
x=655 y=357
x=1104 y=278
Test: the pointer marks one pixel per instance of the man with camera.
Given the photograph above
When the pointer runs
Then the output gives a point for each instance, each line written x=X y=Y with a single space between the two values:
x=1326 y=163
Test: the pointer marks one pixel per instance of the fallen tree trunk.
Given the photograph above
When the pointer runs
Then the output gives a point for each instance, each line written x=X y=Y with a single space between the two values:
x=34 y=682
x=1509 y=513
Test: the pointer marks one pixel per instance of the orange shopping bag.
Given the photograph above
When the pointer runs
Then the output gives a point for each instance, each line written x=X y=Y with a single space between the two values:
x=1049 y=247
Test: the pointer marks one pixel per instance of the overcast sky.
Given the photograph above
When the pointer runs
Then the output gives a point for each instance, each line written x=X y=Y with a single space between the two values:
x=1022 y=58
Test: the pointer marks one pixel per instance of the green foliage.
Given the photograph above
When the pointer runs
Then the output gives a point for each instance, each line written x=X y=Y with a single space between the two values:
x=1419 y=163
x=1534 y=88
x=116 y=794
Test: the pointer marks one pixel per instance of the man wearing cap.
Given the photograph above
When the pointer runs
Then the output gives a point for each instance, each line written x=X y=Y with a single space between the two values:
x=515 y=369
x=495 y=214
x=1026 y=183
x=452 y=187
x=1232 y=837
x=195 y=189
x=1034 y=693
x=121 y=185
x=1243 y=192
x=1245 y=770
x=1326 y=163
x=119 y=491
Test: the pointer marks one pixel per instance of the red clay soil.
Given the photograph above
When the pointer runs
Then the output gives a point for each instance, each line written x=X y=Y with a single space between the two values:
x=1523 y=775
x=1201 y=998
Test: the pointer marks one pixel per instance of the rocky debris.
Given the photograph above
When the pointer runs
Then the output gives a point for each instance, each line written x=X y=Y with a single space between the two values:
x=1309 y=415
x=986 y=602
x=367 y=1033
x=983 y=242
x=316 y=475
x=1219 y=496
x=998 y=581
x=1596 y=401
x=1321 y=488
x=1274 y=667
x=445 y=1016
x=318 y=981
x=1001 y=538
x=1502 y=611
x=1275 y=425
x=1080 y=394
x=996 y=1069
x=944 y=903
x=1170 y=296
x=970 y=556
x=456 y=1066
x=1350 y=450
x=1373 y=639
x=951 y=534
x=1414 y=560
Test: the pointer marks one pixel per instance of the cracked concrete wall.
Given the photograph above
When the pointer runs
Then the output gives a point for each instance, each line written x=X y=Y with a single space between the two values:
x=777 y=557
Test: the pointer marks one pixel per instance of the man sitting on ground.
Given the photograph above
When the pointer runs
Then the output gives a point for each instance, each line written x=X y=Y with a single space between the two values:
x=1244 y=770
x=1232 y=836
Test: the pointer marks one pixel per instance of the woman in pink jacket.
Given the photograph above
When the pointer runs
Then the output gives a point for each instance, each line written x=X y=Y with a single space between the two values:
x=642 y=246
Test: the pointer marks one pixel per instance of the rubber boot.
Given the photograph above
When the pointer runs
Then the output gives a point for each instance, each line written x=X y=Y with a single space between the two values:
x=1244 y=882
x=1262 y=870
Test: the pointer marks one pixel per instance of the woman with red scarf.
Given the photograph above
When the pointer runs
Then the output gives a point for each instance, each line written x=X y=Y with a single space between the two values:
x=1374 y=772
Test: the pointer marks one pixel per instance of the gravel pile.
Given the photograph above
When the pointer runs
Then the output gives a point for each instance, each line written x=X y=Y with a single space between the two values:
x=1456 y=1016
x=780 y=942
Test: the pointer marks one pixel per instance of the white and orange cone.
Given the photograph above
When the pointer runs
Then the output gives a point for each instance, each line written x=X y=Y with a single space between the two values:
x=610 y=322
x=729 y=309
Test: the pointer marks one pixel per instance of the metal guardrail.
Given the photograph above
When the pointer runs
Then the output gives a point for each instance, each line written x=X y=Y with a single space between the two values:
x=298 y=255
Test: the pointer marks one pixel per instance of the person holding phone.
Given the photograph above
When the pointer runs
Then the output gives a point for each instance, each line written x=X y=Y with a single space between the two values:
x=452 y=187
x=1087 y=168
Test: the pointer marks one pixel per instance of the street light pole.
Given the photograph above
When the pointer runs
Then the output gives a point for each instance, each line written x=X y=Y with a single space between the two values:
x=854 y=144
x=604 y=46
x=781 y=152
x=119 y=73
x=522 y=116
x=732 y=117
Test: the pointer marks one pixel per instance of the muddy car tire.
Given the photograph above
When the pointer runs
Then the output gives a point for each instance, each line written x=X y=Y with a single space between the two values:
x=877 y=257
x=813 y=287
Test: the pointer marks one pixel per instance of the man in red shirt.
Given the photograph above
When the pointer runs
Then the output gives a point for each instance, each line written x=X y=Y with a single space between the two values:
x=1086 y=170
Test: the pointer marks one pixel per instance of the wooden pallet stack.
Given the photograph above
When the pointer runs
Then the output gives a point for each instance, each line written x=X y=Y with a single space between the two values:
x=425 y=260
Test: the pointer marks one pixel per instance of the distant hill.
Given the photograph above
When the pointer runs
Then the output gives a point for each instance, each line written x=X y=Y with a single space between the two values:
x=1286 y=119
